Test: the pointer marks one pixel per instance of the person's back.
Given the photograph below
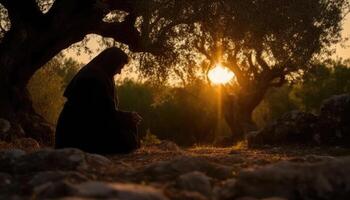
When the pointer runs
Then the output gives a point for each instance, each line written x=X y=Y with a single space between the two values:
x=90 y=119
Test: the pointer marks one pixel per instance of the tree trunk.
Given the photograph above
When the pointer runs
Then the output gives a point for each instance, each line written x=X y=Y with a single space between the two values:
x=16 y=107
x=21 y=55
x=238 y=110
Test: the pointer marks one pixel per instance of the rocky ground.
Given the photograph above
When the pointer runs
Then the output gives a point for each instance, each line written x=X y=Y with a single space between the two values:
x=165 y=171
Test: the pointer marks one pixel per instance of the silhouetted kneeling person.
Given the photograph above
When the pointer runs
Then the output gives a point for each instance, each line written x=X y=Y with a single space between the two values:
x=90 y=119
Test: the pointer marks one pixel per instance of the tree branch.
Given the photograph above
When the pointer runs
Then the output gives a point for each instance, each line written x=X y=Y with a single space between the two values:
x=123 y=32
x=233 y=65
x=261 y=61
x=23 y=12
x=252 y=67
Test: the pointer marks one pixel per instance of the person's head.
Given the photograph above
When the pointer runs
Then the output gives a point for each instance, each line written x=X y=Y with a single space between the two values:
x=111 y=60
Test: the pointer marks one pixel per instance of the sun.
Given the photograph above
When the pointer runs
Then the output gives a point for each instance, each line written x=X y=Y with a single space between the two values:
x=220 y=74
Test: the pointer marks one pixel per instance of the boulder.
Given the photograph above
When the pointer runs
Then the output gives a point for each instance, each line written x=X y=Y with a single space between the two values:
x=63 y=159
x=186 y=195
x=225 y=190
x=8 y=158
x=27 y=144
x=100 y=190
x=5 y=126
x=56 y=176
x=294 y=181
x=294 y=127
x=170 y=170
x=334 y=120
x=6 y=181
x=195 y=181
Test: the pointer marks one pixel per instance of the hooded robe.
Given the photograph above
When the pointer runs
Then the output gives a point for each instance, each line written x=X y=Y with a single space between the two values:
x=90 y=119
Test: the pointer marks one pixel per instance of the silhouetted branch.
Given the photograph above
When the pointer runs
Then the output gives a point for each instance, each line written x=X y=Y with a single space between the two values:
x=121 y=32
x=261 y=61
x=252 y=67
x=22 y=12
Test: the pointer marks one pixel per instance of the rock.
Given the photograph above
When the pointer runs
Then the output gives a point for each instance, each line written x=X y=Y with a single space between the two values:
x=36 y=127
x=120 y=191
x=322 y=180
x=170 y=170
x=8 y=158
x=186 y=195
x=225 y=191
x=55 y=190
x=73 y=198
x=100 y=190
x=195 y=181
x=167 y=146
x=334 y=120
x=27 y=144
x=56 y=176
x=5 y=183
x=98 y=160
x=5 y=126
x=13 y=197
x=63 y=159
x=294 y=127
x=247 y=198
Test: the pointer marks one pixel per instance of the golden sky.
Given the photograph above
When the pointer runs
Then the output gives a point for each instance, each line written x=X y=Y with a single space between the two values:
x=344 y=51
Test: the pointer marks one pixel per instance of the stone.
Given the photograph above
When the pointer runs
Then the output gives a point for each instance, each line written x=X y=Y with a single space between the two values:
x=38 y=128
x=294 y=127
x=8 y=158
x=5 y=126
x=6 y=180
x=322 y=180
x=27 y=144
x=98 y=161
x=195 y=181
x=63 y=159
x=55 y=190
x=76 y=198
x=186 y=195
x=170 y=170
x=334 y=120
x=247 y=198
x=100 y=190
x=56 y=176
x=225 y=190
x=120 y=191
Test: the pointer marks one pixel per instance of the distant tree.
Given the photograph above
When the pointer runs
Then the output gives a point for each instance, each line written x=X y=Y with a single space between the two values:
x=45 y=89
x=322 y=81
x=264 y=42
x=185 y=115
x=276 y=102
x=67 y=70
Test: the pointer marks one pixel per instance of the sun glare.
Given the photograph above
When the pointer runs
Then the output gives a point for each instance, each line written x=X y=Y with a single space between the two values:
x=220 y=74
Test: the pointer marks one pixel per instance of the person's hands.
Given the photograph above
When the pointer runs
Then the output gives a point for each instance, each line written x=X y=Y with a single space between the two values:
x=136 y=117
